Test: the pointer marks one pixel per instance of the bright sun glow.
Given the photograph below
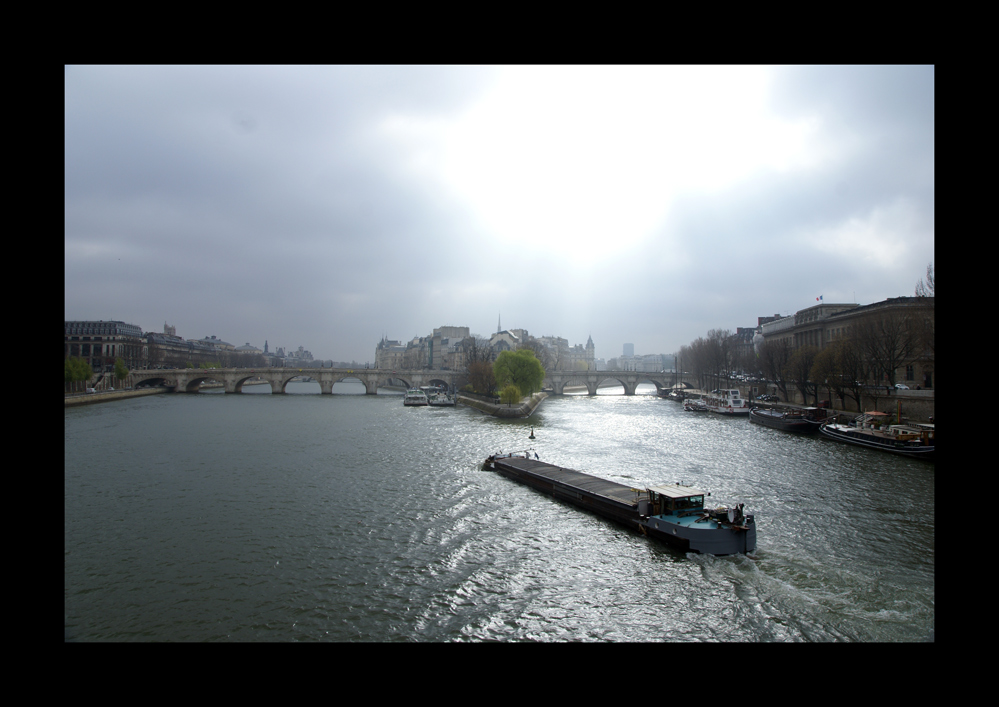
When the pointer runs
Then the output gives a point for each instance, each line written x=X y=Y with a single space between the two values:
x=570 y=158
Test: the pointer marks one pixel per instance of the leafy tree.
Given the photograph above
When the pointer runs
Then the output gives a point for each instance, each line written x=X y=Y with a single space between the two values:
x=510 y=394
x=521 y=368
x=120 y=371
x=77 y=370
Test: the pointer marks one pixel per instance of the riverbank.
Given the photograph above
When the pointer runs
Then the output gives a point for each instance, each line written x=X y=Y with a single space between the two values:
x=912 y=409
x=526 y=407
x=107 y=396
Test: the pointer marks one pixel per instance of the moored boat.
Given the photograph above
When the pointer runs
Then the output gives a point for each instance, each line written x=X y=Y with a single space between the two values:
x=672 y=513
x=872 y=431
x=440 y=399
x=695 y=405
x=415 y=397
x=727 y=402
x=786 y=420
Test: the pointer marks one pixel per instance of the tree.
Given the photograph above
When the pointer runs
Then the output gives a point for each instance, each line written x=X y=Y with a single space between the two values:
x=547 y=357
x=510 y=394
x=481 y=378
x=77 y=370
x=925 y=289
x=774 y=355
x=799 y=368
x=120 y=372
x=829 y=369
x=889 y=341
x=521 y=368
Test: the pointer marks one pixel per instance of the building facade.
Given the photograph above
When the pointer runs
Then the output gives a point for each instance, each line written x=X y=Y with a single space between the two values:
x=100 y=343
x=449 y=348
x=901 y=327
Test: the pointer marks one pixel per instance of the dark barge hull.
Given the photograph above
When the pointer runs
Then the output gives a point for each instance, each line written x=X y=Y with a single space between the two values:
x=606 y=498
x=869 y=441
x=798 y=425
x=619 y=503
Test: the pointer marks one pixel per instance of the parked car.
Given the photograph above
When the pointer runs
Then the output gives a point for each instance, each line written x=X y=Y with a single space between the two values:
x=901 y=386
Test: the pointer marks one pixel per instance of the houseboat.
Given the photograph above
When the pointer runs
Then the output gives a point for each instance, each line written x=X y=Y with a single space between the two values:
x=874 y=431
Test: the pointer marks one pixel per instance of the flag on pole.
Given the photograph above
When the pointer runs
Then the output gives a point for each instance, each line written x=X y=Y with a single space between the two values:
x=819 y=298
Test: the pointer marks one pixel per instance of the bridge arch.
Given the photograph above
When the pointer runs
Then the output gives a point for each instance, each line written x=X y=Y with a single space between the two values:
x=194 y=383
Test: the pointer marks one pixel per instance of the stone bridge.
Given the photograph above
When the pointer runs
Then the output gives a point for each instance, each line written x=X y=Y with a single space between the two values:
x=189 y=380
x=558 y=380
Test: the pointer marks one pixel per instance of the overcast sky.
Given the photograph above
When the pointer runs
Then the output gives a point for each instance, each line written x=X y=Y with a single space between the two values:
x=326 y=207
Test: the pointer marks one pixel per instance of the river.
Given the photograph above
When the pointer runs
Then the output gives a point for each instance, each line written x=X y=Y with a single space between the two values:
x=307 y=517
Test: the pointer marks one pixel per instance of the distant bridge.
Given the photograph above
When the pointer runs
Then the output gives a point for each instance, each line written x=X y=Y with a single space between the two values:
x=190 y=380
x=558 y=380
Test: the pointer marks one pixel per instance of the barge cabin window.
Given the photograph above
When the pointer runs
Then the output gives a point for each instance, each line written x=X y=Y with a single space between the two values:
x=670 y=500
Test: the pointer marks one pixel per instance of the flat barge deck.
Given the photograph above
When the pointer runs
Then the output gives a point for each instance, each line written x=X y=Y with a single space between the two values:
x=607 y=498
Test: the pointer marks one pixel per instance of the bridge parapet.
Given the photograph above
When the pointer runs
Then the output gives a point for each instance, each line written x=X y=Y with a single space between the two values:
x=558 y=380
x=189 y=380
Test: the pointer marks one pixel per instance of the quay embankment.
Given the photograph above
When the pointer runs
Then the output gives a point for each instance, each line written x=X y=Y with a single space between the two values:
x=106 y=396
x=525 y=408
x=914 y=405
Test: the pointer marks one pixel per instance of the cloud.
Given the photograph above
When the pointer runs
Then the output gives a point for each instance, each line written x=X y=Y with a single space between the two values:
x=327 y=206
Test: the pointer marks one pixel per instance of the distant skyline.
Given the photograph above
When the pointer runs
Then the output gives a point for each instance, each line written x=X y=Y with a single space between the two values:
x=326 y=207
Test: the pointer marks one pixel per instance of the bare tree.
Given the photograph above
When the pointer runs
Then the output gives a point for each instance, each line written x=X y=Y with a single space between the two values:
x=925 y=289
x=841 y=366
x=549 y=358
x=889 y=341
x=774 y=355
x=799 y=369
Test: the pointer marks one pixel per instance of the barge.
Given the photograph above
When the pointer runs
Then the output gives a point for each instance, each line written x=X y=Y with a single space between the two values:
x=908 y=440
x=672 y=513
x=801 y=422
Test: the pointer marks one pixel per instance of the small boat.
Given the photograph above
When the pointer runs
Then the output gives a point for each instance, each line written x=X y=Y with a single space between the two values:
x=787 y=420
x=440 y=399
x=695 y=405
x=414 y=397
x=672 y=513
x=727 y=402
x=872 y=430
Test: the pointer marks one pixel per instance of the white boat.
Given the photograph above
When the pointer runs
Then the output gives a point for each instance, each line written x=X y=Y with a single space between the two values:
x=441 y=400
x=727 y=402
x=415 y=396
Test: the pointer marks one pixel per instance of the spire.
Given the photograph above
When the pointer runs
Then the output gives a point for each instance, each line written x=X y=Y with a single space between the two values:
x=499 y=326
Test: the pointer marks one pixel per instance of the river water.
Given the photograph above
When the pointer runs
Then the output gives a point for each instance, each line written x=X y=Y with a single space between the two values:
x=304 y=517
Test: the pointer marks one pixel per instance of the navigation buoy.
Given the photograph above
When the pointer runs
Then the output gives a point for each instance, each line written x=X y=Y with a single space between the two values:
x=532 y=434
